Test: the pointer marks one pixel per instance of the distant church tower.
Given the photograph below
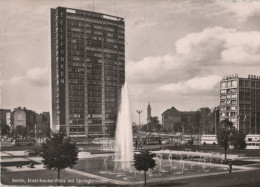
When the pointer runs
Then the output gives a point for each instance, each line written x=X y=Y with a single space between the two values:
x=149 y=111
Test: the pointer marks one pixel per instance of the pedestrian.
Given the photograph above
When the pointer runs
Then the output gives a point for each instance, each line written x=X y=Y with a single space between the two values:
x=230 y=167
x=136 y=144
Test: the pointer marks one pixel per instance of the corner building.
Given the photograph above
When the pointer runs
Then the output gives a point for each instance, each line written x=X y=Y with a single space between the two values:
x=240 y=102
x=88 y=71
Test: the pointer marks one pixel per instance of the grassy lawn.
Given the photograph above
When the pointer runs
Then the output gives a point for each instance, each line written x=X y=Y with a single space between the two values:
x=37 y=178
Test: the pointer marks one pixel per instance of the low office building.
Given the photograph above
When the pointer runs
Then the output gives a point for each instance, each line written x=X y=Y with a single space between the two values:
x=240 y=102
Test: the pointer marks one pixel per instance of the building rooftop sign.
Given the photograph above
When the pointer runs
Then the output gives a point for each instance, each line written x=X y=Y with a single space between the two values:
x=226 y=77
x=254 y=76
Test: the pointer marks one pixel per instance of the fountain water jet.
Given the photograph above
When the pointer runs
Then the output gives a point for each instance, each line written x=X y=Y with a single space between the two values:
x=124 y=135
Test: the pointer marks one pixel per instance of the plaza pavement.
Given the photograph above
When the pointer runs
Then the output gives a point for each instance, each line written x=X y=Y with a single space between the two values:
x=252 y=168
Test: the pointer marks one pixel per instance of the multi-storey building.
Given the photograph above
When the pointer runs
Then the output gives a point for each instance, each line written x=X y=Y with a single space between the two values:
x=240 y=102
x=88 y=70
x=5 y=117
x=174 y=120
x=19 y=117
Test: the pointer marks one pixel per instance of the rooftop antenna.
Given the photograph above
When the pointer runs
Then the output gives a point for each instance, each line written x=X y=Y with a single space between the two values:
x=93 y=5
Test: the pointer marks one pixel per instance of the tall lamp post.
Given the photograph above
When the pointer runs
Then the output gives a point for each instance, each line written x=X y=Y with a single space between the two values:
x=245 y=124
x=139 y=113
x=238 y=117
x=216 y=109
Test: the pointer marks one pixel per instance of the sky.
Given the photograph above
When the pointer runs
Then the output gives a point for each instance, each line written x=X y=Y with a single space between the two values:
x=176 y=51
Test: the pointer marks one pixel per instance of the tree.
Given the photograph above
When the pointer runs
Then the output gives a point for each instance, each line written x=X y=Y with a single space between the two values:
x=153 y=125
x=238 y=141
x=5 y=129
x=59 y=153
x=19 y=130
x=135 y=128
x=144 y=161
x=24 y=132
x=224 y=134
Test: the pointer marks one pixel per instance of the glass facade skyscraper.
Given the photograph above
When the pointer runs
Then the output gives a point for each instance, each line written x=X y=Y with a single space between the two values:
x=88 y=71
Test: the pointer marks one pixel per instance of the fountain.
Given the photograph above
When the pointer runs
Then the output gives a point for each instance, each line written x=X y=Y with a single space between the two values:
x=124 y=136
x=169 y=162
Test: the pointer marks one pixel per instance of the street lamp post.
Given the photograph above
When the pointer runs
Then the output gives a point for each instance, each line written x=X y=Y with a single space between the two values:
x=40 y=134
x=216 y=108
x=238 y=117
x=245 y=124
x=139 y=113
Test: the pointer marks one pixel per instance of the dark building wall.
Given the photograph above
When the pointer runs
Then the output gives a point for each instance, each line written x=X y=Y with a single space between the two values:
x=177 y=121
x=171 y=119
x=53 y=70
x=3 y=113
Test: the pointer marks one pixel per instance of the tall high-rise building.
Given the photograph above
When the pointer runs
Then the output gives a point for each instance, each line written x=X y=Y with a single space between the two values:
x=88 y=71
x=149 y=112
x=240 y=102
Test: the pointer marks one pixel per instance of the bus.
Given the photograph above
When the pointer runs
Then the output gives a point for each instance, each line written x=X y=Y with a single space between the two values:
x=23 y=142
x=209 y=139
x=252 y=141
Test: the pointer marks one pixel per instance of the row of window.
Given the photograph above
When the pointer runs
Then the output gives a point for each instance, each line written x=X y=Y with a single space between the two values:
x=95 y=88
x=94 y=72
x=228 y=96
x=76 y=88
x=94 y=16
x=94 y=83
x=228 y=84
x=95 y=121
x=95 y=111
x=75 y=76
x=228 y=91
x=94 y=105
x=76 y=70
x=228 y=114
x=228 y=108
x=76 y=94
x=94 y=94
x=76 y=111
x=94 y=100
x=76 y=82
x=76 y=105
x=76 y=99
x=233 y=102
x=94 y=77
x=249 y=83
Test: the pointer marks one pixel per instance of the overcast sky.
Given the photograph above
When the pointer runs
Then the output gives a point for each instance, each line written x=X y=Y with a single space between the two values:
x=176 y=51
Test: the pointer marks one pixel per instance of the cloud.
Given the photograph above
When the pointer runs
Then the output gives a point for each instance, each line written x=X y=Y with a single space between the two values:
x=241 y=10
x=196 y=53
x=158 y=69
x=38 y=77
x=219 y=46
x=202 y=85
